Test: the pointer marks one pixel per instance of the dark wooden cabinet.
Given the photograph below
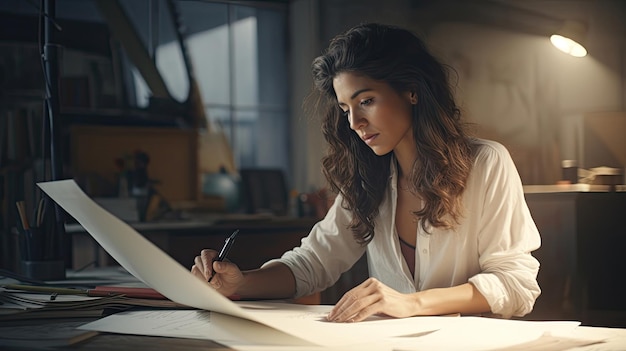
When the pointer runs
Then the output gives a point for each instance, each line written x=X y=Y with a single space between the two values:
x=582 y=256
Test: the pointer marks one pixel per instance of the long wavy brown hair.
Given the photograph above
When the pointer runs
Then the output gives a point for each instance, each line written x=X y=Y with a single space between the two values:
x=399 y=58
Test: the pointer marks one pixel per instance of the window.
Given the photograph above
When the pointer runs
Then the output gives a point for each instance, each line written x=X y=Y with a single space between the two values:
x=239 y=59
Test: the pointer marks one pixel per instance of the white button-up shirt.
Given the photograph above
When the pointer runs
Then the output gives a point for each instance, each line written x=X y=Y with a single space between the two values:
x=490 y=248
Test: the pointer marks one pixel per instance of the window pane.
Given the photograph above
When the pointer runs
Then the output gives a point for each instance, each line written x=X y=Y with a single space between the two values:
x=227 y=45
x=170 y=62
x=272 y=56
x=207 y=38
x=155 y=27
x=247 y=138
x=245 y=57
x=271 y=130
x=142 y=92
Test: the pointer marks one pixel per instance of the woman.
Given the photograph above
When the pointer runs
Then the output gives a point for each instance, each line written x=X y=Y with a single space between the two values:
x=441 y=216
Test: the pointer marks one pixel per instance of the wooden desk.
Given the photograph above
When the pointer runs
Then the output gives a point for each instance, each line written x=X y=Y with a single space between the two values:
x=103 y=341
x=616 y=338
x=583 y=231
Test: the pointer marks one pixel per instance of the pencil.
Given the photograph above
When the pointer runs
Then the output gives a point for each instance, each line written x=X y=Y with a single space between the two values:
x=98 y=291
x=39 y=216
x=21 y=210
x=45 y=289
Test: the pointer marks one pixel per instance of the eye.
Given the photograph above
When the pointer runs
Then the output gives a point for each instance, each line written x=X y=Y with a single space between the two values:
x=366 y=102
x=345 y=113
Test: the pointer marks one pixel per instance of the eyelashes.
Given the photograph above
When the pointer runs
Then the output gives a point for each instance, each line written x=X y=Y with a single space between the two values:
x=364 y=102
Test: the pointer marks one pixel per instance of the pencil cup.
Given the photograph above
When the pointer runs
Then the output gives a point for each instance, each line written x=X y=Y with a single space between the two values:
x=44 y=270
x=35 y=244
x=570 y=171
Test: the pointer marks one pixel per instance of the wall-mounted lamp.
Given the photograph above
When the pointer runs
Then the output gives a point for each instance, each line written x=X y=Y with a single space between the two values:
x=570 y=38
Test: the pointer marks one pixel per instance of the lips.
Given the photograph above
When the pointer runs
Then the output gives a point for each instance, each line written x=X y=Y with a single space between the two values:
x=369 y=138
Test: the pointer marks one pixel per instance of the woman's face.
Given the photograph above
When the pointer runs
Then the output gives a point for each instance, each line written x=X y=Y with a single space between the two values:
x=381 y=116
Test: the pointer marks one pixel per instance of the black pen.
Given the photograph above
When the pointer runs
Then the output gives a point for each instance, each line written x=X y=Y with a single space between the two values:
x=227 y=245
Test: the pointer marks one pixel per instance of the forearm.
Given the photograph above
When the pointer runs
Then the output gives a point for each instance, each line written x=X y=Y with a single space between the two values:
x=464 y=299
x=274 y=281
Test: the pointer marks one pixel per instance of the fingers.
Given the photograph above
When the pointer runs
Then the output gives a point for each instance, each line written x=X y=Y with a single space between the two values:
x=224 y=276
x=197 y=272
x=217 y=267
x=359 y=303
x=207 y=257
x=203 y=264
x=352 y=309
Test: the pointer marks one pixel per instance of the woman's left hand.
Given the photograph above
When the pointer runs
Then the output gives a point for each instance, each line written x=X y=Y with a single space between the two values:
x=373 y=297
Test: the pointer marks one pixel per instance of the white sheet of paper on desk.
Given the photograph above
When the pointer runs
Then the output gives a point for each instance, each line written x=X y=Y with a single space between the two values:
x=479 y=334
x=159 y=271
x=230 y=331
x=240 y=334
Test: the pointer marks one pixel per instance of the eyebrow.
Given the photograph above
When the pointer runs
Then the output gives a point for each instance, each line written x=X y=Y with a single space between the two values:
x=356 y=93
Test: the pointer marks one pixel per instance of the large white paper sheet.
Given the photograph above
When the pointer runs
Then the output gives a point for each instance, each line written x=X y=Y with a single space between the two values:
x=453 y=333
x=482 y=334
x=229 y=331
x=137 y=254
x=237 y=333
x=193 y=324
x=156 y=269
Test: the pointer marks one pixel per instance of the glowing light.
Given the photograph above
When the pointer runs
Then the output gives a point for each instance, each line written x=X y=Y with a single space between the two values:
x=568 y=46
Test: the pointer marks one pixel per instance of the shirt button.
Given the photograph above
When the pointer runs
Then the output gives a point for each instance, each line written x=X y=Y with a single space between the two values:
x=425 y=251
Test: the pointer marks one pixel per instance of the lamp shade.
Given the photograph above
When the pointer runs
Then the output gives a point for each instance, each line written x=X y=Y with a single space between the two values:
x=570 y=38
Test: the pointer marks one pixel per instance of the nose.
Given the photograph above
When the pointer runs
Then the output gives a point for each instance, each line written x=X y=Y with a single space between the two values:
x=356 y=121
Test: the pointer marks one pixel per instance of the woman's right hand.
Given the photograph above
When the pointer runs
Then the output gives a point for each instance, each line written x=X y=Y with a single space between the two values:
x=227 y=276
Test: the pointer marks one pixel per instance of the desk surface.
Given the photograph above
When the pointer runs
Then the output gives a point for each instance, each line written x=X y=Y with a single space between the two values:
x=614 y=338
x=101 y=341
x=41 y=329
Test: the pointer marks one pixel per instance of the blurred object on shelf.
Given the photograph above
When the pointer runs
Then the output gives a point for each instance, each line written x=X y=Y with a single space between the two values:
x=224 y=185
x=601 y=176
x=570 y=171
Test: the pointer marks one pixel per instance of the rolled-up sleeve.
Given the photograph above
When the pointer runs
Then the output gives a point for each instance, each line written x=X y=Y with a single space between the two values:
x=327 y=252
x=507 y=236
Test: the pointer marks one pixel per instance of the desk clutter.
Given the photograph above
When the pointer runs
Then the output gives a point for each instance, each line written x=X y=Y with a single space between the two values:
x=48 y=315
x=19 y=302
x=41 y=257
x=573 y=174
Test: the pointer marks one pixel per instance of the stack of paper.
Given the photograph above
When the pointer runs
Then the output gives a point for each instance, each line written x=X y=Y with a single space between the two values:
x=19 y=305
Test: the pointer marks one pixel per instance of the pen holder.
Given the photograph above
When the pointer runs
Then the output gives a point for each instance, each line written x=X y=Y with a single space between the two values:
x=38 y=260
x=44 y=270
x=32 y=244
